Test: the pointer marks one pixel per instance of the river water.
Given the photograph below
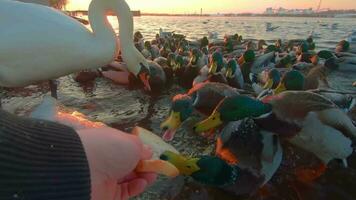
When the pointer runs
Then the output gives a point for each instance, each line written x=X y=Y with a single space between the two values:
x=124 y=109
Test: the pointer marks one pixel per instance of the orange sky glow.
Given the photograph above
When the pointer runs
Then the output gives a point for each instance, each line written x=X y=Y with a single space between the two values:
x=222 y=6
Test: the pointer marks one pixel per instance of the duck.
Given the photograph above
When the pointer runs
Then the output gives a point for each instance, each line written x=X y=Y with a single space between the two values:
x=216 y=65
x=342 y=46
x=293 y=116
x=273 y=79
x=78 y=48
x=213 y=71
x=197 y=58
x=295 y=80
x=202 y=97
x=150 y=51
x=139 y=41
x=165 y=50
x=270 y=28
x=179 y=66
x=192 y=70
x=167 y=65
x=246 y=158
x=234 y=75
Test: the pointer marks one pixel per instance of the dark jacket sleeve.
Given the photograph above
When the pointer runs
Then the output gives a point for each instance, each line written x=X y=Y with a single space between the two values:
x=41 y=160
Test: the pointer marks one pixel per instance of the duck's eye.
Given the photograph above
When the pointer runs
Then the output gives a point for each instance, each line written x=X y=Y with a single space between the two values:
x=214 y=118
x=188 y=166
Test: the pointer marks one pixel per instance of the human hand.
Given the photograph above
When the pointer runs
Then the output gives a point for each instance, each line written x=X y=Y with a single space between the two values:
x=113 y=156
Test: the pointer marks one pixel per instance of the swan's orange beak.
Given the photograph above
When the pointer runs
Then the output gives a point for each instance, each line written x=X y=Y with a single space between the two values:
x=145 y=77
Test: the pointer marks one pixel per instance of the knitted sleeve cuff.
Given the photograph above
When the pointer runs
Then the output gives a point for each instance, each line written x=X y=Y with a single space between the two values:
x=41 y=160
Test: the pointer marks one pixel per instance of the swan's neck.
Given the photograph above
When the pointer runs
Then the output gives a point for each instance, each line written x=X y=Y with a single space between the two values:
x=130 y=54
x=100 y=25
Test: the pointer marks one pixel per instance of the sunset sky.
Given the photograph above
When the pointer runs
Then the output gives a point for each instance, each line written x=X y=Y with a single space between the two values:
x=223 y=6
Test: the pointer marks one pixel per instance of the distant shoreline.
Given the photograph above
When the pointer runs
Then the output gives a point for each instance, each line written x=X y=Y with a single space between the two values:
x=247 y=15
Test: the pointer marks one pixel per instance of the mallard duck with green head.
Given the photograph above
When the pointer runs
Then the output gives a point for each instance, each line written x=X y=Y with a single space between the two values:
x=216 y=65
x=342 y=46
x=246 y=61
x=246 y=159
x=192 y=70
x=150 y=51
x=178 y=64
x=166 y=65
x=165 y=50
x=295 y=80
x=234 y=75
x=212 y=71
x=306 y=120
x=203 y=97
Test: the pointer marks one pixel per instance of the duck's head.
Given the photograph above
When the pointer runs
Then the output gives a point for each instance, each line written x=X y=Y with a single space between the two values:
x=208 y=170
x=229 y=44
x=138 y=36
x=204 y=42
x=182 y=49
x=216 y=62
x=179 y=62
x=148 y=45
x=171 y=59
x=250 y=45
x=181 y=109
x=342 y=46
x=285 y=62
x=271 y=48
x=195 y=55
x=232 y=109
x=260 y=44
x=325 y=54
x=274 y=77
x=303 y=47
x=231 y=68
x=292 y=80
x=248 y=56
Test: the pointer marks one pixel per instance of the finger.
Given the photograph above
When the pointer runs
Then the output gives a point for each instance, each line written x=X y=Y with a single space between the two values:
x=130 y=189
x=149 y=177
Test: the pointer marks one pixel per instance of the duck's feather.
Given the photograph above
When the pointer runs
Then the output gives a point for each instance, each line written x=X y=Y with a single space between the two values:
x=207 y=95
x=322 y=140
x=295 y=106
x=338 y=120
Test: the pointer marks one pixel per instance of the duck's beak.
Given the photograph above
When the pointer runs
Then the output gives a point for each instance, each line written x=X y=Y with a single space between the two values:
x=186 y=166
x=211 y=122
x=268 y=84
x=172 y=63
x=171 y=125
x=145 y=77
x=193 y=60
x=241 y=60
x=229 y=73
x=280 y=88
x=213 y=68
x=176 y=67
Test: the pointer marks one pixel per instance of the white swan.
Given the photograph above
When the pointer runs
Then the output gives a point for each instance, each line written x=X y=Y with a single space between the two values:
x=39 y=43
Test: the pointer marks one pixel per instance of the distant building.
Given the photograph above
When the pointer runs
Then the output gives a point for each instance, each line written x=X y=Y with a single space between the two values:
x=269 y=11
x=283 y=11
x=43 y=2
